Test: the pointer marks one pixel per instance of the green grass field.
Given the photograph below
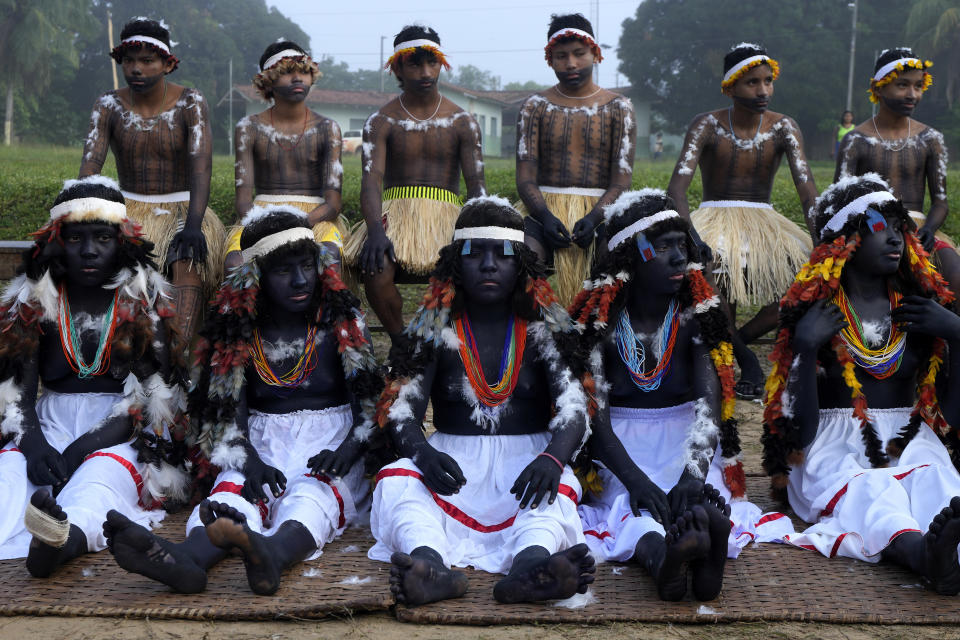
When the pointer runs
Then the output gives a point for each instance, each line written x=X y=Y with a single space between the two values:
x=30 y=178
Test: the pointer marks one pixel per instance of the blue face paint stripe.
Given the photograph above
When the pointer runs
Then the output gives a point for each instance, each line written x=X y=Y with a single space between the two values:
x=647 y=252
x=466 y=248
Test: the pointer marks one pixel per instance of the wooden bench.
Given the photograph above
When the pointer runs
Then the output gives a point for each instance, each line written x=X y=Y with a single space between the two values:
x=10 y=252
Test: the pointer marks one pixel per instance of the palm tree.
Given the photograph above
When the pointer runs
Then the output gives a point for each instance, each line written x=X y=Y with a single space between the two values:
x=936 y=24
x=35 y=36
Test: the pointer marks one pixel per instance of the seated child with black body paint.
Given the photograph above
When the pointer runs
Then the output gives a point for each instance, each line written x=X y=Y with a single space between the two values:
x=492 y=488
x=654 y=347
x=285 y=388
x=85 y=318
x=864 y=390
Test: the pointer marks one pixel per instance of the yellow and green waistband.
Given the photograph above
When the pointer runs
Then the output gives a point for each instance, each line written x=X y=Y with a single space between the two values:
x=426 y=193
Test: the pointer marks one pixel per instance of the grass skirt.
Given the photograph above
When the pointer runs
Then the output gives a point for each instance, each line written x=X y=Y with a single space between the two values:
x=571 y=265
x=161 y=221
x=418 y=228
x=335 y=232
x=757 y=252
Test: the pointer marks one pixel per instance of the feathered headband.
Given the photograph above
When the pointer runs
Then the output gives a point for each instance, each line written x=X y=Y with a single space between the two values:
x=409 y=47
x=570 y=32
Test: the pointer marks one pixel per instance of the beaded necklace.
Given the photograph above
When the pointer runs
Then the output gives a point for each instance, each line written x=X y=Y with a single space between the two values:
x=300 y=371
x=880 y=363
x=510 y=361
x=72 y=346
x=634 y=354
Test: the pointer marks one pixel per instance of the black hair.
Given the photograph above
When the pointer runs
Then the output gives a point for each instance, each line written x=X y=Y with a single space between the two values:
x=846 y=190
x=483 y=212
x=741 y=52
x=845 y=112
x=47 y=251
x=277 y=47
x=416 y=32
x=276 y=222
x=889 y=55
x=568 y=21
x=149 y=28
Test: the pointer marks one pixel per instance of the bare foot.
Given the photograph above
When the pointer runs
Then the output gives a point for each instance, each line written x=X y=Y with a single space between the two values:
x=227 y=528
x=560 y=576
x=708 y=571
x=416 y=580
x=139 y=551
x=940 y=547
x=687 y=539
x=42 y=558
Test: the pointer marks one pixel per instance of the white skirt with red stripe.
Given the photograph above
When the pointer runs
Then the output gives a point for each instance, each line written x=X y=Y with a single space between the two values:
x=481 y=526
x=859 y=510
x=655 y=440
x=108 y=479
x=287 y=441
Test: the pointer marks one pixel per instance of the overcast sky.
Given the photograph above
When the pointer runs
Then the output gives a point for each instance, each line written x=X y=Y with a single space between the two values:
x=500 y=36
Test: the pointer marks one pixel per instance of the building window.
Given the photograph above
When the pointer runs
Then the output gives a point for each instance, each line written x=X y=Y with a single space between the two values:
x=493 y=126
x=483 y=124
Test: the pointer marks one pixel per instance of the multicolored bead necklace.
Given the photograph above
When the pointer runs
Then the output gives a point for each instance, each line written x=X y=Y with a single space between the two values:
x=880 y=363
x=300 y=371
x=71 y=344
x=634 y=354
x=510 y=361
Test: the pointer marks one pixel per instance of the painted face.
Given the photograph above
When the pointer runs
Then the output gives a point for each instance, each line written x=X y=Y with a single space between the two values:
x=879 y=251
x=753 y=89
x=902 y=95
x=90 y=251
x=662 y=274
x=290 y=281
x=572 y=62
x=488 y=275
x=293 y=86
x=143 y=68
x=419 y=76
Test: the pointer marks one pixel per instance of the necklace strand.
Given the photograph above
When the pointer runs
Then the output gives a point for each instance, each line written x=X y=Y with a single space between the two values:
x=734 y=133
x=71 y=343
x=880 y=363
x=902 y=144
x=599 y=89
x=634 y=354
x=300 y=371
x=435 y=111
x=511 y=359
x=303 y=130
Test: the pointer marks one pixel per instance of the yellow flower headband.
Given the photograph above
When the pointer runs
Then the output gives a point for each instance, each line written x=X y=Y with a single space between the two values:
x=890 y=71
x=737 y=70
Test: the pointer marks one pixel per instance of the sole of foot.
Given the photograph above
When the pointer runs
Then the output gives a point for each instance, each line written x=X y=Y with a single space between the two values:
x=227 y=528
x=707 y=572
x=137 y=550
x=559 y=576
x=687 y=539
x=43 y=559
x=415 y=580
x=940 y=548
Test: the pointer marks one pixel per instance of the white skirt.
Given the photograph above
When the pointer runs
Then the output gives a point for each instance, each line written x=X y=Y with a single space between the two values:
x=286 y=441
x=859 y=510
x=111 y=478
x=655 y=440
x=482 y=525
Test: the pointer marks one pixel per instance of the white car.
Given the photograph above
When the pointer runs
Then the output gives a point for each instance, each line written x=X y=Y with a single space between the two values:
x=352 y=141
